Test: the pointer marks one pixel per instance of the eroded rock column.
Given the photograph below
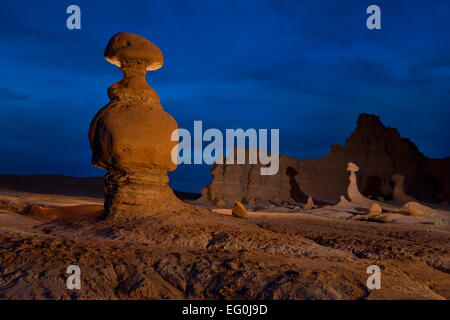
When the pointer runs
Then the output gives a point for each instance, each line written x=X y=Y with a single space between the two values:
x=131 y=136
x=352 y=189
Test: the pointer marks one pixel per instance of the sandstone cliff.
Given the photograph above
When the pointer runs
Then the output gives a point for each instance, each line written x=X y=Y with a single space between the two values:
x=379 y=151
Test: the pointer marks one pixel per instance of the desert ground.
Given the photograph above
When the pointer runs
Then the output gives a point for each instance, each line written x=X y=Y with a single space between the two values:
x=203 y=252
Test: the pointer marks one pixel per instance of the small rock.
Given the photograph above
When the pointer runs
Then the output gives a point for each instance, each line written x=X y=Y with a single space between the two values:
x=309 y=204
x=239 y=210
x=375 y=208
x=413 y=209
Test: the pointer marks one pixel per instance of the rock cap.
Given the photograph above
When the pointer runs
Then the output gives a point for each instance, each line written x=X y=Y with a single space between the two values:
x=352 y=167
x=126 y=48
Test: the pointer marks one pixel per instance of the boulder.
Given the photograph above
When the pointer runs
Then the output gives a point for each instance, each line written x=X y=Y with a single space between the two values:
x=239 y=210
x=414 y=209
x=375 y=208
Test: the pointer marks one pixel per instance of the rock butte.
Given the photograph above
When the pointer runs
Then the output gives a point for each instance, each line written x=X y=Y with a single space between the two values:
x=379 y=152
x=130 y=136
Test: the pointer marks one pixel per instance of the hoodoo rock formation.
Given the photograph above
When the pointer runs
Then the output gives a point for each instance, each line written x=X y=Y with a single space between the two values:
x=352 y=189
x=375 y=208
x=379 y=151
x=399 y=192
x=130 y=136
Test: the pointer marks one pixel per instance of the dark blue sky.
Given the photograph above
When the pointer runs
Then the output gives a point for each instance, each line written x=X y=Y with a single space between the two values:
x=305 y=67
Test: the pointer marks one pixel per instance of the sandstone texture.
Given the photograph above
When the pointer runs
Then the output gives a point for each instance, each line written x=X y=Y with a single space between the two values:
x=352 y=189
x=414 y=209
x=375 y=208
x=243 y=182
x=198 y=253
x=378 y=151
x=239 y=210
x=131 y=136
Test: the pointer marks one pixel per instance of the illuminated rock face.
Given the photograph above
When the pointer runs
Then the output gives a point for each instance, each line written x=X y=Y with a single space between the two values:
x=244 y=182
x=131 y=136
x=379 y=152
x=239 y=210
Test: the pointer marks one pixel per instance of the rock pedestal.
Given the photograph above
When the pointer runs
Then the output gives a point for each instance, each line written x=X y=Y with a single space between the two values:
x=131 y=136
x=352 y=189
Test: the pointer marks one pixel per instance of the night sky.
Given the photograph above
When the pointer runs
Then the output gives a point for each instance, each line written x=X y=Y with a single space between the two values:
x=306 y=67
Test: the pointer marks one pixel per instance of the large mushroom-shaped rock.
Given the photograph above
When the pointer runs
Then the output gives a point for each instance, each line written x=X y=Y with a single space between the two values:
x=131 y=136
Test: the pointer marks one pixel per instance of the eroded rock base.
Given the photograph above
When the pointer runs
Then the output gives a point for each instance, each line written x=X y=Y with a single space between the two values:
x=136 y=194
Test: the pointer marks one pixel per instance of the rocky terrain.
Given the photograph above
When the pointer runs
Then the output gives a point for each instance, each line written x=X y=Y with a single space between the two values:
x=380 y=153
x=204 y=252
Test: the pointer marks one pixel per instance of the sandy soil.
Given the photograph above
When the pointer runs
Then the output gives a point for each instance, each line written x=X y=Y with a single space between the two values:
x=208 y=254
